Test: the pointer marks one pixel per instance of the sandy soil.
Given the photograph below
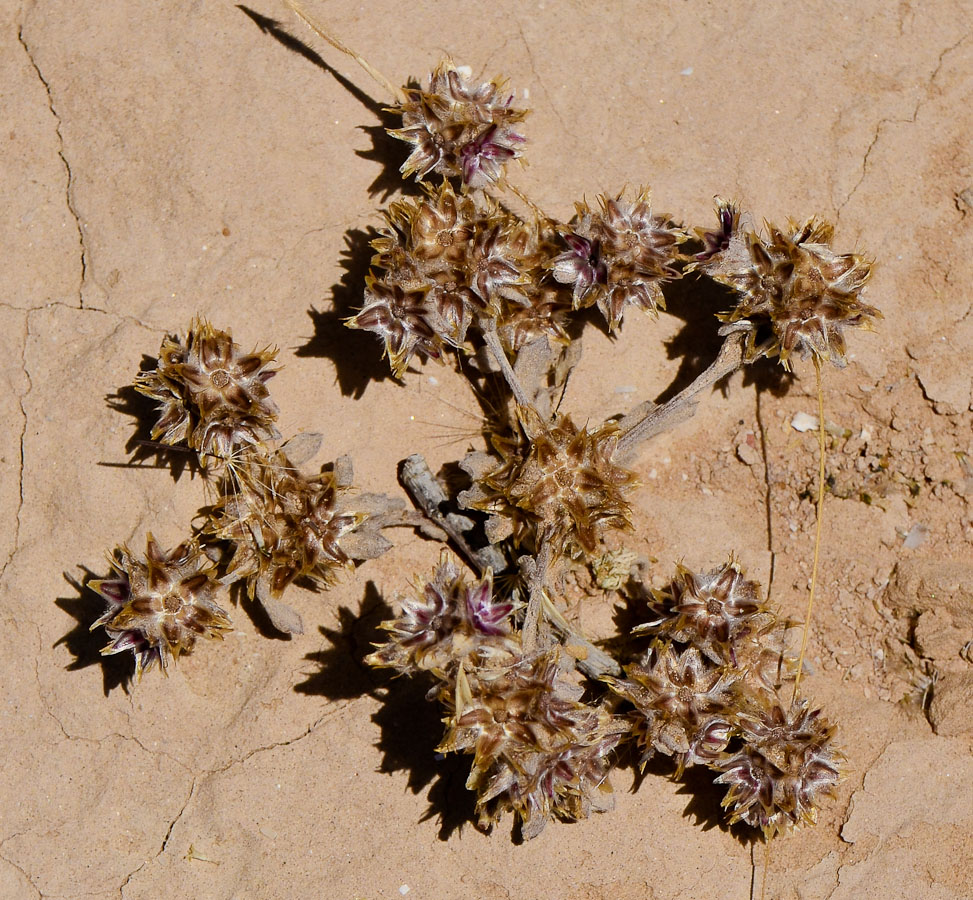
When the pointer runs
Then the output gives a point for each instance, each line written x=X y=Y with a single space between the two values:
x=162 y=159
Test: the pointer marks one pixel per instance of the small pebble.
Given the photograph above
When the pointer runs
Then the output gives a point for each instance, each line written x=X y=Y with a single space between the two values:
x=917 y=534
x=803 y=422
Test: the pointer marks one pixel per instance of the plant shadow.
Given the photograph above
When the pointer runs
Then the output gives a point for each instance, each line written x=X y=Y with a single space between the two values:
x=355 y=353
x=410 y=723
x=254 y=610
x=705 y=807
x=85 y=644
x=696 y=300
x=141 y=447
x=386 y=150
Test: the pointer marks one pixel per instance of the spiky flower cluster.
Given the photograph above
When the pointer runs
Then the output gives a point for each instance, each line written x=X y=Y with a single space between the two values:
x=212 y=397
x=702 y=694
x=449 y=622
x=538 y=750
x=720 y=612
x=619 y=255
x=793 y=281
x=270 y=525
x=561 y=481
x=445 y=264
x=159 y=604
x=785 y=765
x=283 y=525
x=459 y=128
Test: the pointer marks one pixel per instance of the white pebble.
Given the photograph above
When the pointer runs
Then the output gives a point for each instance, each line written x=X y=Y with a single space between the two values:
x=803 y=422
x=917 y=534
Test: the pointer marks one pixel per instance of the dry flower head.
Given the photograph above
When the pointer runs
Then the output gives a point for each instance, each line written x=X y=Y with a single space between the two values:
x=159 y=604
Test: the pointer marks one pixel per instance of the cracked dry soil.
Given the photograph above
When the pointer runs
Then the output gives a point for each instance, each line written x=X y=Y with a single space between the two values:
x=165 y=159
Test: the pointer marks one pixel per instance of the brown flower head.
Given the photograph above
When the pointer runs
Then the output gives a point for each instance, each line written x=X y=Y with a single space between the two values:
x=436 y=229
x=785 y=769
x=537 y=749
x=545 y=313
x=683 y=705
x=713 y=612
x=794 y=282
x=212 y=396
x=459 y=128
x=499 y=263
x=563 y=480
x=403 y=319
x=159 y=604
x=426 y=247
x=619 y=255
x=447 y=622
x=284 y=525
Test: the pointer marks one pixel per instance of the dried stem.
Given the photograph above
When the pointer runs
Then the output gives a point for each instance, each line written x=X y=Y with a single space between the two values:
x=505 y=184
x=649 y=419
x=592 y=660
x=379 y=78
x=488 y=328
x=537 y=579
x=429 y=496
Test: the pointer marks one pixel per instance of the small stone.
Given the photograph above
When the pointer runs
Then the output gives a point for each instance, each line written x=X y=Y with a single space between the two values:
x=748 y=454
x=937 y=637
x=803 y=422
x=951 y=709
x=915 y=536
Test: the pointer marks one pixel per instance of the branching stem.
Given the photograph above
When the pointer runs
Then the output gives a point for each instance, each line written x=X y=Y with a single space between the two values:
x=537 y=582
x=650 y=419
x=488 y=328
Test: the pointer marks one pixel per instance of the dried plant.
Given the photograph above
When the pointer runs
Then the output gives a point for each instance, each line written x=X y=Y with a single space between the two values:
x=457 y=273
x=538 y=750
x=271 y=524
x=459 y=128
x=284 y=525
x=714 y=704
x=794 y=282
x=160 y=603
x=212 y=397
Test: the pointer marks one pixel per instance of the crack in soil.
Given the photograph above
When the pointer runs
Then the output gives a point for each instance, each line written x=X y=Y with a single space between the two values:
x=890 y=120
x=69 y=187
x=23 y=872
x=165 y=840
x=21 y=442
